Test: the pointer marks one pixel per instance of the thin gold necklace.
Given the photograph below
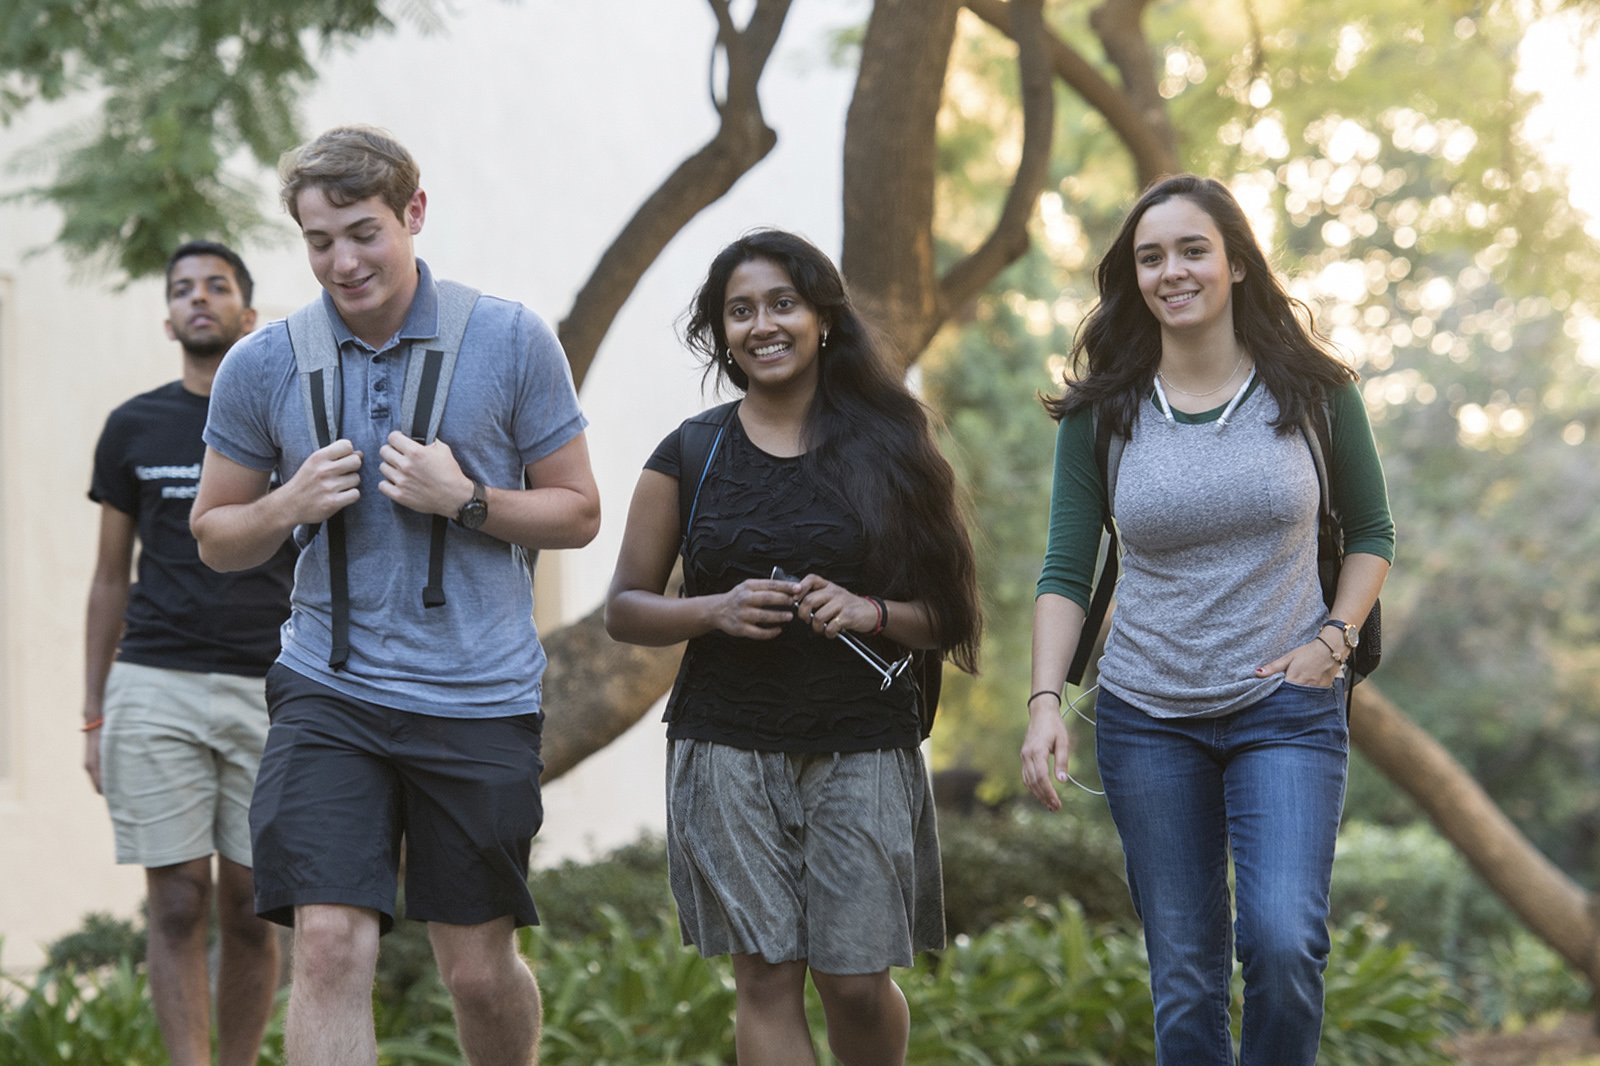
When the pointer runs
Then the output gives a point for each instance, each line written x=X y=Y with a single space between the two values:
x=1201 y=395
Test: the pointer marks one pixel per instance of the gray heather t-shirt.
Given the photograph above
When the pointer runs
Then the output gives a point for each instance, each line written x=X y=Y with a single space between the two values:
x=1219 y=532
x=511 y=403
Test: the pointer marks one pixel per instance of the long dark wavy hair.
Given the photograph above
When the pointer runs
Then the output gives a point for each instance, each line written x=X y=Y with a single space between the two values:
x=868 y=440
x=1118 y=347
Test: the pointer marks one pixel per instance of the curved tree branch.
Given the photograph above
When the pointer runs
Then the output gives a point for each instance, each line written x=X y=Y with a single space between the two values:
x=742 y=141
x=1553 y=907
x=1009 y=240
x=590 y=670
x=1153 y=147
x=1120 y=26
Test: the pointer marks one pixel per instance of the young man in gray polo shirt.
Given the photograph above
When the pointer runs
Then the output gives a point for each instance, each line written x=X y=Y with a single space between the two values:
x=393 y=719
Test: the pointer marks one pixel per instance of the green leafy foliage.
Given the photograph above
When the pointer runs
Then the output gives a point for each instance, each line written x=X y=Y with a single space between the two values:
x=185 y=87
x=1048 y=986
x=99 y=1017
x=1421 y=890
x=1383 y=1005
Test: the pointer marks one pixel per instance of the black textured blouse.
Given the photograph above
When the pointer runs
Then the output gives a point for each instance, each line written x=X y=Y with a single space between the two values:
x=798 y=692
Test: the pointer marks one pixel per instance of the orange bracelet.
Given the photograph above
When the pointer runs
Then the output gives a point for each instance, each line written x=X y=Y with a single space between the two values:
x=90 y=727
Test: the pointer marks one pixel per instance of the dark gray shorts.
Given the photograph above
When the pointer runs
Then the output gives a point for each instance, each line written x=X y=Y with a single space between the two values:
x=343 y=781
x=832 y=859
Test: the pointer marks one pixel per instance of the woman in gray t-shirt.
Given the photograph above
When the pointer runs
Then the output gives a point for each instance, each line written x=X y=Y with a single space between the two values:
x=1221 y=713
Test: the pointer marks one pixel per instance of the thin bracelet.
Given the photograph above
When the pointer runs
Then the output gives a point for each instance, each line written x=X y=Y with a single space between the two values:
x=883 y=613
x=1331 y=650
x=1043 y=692
x=90 y=727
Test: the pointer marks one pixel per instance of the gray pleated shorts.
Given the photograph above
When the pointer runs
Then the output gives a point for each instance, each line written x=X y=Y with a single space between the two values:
x=832 y=859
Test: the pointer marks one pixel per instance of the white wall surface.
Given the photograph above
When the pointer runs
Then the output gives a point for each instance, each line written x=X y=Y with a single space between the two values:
x=539 y=126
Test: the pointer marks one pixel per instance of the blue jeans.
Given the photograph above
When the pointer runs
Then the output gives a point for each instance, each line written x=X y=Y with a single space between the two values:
x=1268 y=783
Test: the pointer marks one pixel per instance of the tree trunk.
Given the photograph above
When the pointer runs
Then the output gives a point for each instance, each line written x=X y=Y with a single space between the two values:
x=890 y=165
x=1552 y=906
x=597 y=689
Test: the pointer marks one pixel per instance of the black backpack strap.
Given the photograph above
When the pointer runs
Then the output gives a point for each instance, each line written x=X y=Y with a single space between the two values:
x=1316 y=427
x=427 y=390
x=317 y=363
x=1330 y=535
x=699 y=440
x=429 y=368
x=1108 y=447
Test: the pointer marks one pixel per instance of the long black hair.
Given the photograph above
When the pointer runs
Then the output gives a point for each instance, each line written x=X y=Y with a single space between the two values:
x=868 y=440
x=1118 y=348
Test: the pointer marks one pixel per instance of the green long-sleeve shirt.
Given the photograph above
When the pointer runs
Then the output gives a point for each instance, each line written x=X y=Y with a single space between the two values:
x=1078 y=499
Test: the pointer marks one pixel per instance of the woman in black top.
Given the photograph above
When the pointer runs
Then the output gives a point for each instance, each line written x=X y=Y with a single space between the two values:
x=801 y=832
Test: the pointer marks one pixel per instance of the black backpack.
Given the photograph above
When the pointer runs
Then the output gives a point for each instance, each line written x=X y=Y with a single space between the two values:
x=699 y=441
x=1314 y=427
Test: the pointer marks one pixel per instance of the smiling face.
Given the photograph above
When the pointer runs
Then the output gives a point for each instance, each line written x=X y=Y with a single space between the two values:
x=205 y=307
x=1183 y=268
x=773 y=334
x=362 y=254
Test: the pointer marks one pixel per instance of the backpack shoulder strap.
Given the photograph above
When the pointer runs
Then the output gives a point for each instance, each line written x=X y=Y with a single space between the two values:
x=1108 y=445
x=432 y=362
x=699 y=439
x=1314 y=426
x=316 y=357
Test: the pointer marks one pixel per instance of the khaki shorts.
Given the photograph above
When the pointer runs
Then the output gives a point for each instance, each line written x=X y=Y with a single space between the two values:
x=178 y=758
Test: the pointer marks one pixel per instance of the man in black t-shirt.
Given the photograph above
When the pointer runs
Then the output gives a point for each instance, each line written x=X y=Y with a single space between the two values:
x=175 y=725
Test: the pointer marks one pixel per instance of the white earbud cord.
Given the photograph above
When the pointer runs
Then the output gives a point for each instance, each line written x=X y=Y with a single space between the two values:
x=1072 y=705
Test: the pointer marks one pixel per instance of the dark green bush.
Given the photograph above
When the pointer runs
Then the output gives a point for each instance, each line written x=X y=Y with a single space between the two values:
x=1415 y=881
x=101 y=940
x=997 y=866
x=1422 y=889
x=631 y=881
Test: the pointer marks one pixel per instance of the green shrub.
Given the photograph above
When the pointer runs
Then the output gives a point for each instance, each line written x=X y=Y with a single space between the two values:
x=1414 y=881
x=1513 y=980
x=998 y=866
x=1417 y=883
x=95 y=1018
x=1049 y=987
x=631 y=881
x=102 y=940
x=621 y=999
x=1384 y=1005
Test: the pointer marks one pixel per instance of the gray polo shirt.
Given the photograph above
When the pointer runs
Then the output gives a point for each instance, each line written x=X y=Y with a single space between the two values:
x=511 y=403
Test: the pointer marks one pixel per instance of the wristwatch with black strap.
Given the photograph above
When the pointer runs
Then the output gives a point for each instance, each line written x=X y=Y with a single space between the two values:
x=475 y=512
x=1352 y=635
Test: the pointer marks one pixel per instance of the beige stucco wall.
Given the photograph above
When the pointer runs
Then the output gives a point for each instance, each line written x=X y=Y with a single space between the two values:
x=539 y=128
